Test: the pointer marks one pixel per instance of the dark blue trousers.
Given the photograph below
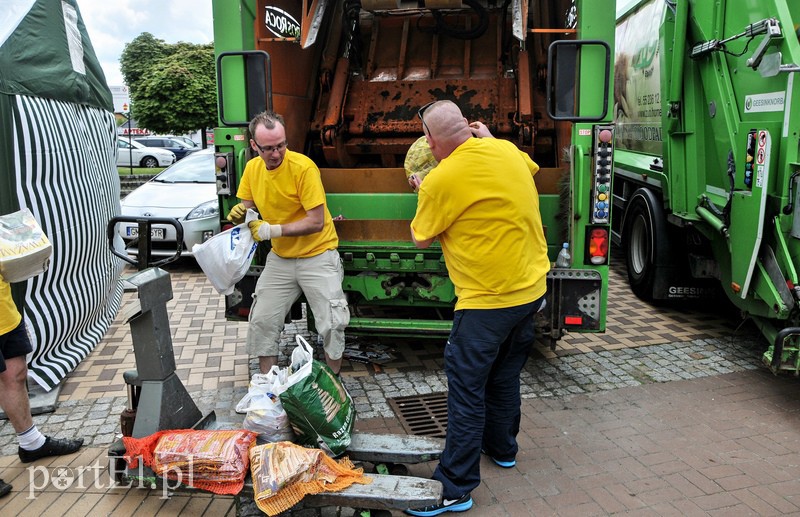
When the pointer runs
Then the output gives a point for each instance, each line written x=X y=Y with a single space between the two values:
x=483 y=359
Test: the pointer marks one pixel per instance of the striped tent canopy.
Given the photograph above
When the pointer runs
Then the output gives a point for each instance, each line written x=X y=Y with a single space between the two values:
x=58 y=158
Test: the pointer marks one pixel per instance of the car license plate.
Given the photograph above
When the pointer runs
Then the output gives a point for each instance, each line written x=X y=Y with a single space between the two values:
x=155 y=233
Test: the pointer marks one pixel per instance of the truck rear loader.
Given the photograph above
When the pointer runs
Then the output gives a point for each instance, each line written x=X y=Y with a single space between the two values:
x=706 y=168
x=349 y=77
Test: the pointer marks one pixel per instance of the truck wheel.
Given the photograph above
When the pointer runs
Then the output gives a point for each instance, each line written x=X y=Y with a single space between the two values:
x=149 y=162
x=645 y=241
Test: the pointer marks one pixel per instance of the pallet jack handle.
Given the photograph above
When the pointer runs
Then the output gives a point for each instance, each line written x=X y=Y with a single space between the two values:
x=142 y=261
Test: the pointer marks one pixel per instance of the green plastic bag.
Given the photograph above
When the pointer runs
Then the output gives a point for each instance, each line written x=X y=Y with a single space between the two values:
x=319 y=408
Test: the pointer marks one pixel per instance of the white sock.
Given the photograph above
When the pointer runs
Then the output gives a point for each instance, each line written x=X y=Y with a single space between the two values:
x=31 y=439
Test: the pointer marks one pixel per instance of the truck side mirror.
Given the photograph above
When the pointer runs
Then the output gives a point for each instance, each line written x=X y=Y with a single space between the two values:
x=254 y=68
x=574 y=70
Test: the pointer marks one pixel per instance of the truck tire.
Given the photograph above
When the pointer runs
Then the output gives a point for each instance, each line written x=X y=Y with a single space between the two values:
x=646 y=242
x=149 y=162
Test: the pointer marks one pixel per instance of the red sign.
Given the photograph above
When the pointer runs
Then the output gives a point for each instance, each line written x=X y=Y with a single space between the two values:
x=134 y=131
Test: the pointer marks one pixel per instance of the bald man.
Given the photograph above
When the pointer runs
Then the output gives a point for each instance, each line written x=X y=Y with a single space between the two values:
x=481 y=202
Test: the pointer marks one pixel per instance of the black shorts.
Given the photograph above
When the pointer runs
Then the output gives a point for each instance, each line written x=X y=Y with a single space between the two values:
x=14 y=344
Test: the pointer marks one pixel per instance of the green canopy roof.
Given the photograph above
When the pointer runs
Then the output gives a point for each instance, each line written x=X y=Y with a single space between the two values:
x=45 y=52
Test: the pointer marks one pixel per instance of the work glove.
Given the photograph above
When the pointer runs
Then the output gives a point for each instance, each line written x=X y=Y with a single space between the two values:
x=263 y=231
x=236 y=215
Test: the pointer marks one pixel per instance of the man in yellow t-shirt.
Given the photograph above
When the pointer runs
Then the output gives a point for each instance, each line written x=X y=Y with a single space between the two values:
x=286 y=189
x=481 y=202
x=14 y=346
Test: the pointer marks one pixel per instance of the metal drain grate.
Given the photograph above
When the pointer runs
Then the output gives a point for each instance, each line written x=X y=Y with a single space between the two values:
x=422 y=415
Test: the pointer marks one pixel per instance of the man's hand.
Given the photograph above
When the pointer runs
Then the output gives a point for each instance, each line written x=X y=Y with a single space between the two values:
x=263 y=231
x=414 y=182
x=236 y=215
x=480 y=130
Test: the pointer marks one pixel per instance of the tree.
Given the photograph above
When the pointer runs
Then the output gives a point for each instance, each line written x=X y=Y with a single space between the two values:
x=137 y=58
x=172 y=86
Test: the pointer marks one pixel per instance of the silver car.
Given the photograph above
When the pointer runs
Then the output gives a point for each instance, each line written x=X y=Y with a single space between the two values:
x=186 y=191
x=133 y=154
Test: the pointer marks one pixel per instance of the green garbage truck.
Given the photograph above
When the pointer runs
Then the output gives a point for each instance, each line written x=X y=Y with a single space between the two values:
x=349 y=78
x=706 y=173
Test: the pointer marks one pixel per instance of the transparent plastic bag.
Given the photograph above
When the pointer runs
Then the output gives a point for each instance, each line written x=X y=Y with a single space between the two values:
x=25 y=250
x=265 y=414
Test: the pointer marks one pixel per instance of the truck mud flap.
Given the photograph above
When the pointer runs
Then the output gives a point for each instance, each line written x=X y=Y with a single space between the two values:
x=574 y=302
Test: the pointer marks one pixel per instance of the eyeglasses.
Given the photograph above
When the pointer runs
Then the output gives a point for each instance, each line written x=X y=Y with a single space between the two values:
x=269 y=149
x=420 y=114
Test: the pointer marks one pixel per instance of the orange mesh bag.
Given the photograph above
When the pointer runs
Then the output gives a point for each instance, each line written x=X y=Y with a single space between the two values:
x=215 y=460
x=283 y=473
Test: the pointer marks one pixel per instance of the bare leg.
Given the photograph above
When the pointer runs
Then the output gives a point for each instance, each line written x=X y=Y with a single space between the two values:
x=14 y=394
x=335 y=364
x=266 y=362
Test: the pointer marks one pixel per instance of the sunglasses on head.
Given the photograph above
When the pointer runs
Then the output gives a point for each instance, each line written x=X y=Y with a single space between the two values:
x=421 y=113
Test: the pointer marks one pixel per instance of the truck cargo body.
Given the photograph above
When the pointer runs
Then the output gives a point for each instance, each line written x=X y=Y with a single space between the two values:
x=706 y=164
x=349 y=78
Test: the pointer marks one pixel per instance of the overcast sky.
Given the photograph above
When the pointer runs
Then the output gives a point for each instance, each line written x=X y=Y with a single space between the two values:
x=113 y=23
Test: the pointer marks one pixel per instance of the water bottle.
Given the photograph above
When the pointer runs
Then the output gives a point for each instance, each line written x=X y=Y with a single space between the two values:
x=564 y=258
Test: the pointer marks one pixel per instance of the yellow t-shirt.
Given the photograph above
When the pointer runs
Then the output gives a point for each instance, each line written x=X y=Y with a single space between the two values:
x=284 y=195
x=9 y=315
x=483 y=204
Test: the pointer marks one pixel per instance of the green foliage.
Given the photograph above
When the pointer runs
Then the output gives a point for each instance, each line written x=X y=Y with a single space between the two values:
x=138 y=56
x=172 y=86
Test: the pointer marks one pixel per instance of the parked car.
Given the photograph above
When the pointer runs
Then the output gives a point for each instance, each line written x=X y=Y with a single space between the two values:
x=176 y=145
x=132 y=153
x=187 y=191
x=188 y=141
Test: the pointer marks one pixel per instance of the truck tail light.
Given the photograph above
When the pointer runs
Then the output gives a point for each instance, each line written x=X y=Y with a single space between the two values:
x=598 y=246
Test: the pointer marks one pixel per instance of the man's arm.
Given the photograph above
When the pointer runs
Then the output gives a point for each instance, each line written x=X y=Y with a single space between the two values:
x=423 y=243
x=313 y=222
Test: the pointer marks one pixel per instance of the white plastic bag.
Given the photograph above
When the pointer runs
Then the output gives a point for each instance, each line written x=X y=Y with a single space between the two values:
x=265 y=414
x=226 y=257
x=24 y=248
x=301 y=363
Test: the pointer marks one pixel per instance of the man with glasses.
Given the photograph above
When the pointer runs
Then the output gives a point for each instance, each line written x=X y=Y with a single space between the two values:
x=481 y=202
x=286 y=189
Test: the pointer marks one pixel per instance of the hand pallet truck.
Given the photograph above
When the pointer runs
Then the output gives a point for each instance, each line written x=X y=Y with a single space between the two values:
x=158 y=400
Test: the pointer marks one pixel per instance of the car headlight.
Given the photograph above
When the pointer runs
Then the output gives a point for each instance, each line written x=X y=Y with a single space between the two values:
x=207 y=209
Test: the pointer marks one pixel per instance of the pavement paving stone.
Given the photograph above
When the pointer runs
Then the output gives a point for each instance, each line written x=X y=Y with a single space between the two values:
x=670 y=413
